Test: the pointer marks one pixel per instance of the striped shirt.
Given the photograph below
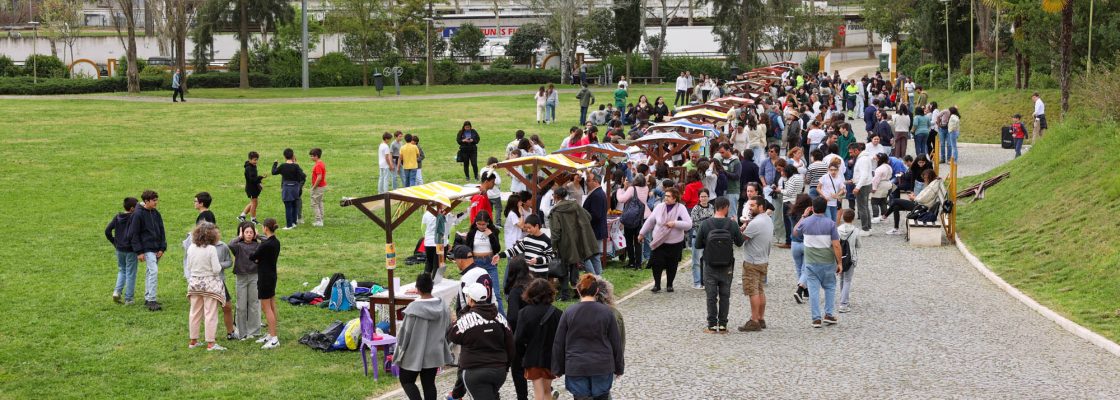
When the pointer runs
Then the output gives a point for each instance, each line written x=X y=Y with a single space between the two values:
x=814 y=173
x=819 y=232
x=539 y=247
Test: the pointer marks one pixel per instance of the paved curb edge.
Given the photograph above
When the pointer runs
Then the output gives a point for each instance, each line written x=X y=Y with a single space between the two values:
x=1065 y=323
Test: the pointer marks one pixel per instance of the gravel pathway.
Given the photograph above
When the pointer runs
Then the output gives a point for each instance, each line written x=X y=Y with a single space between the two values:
x=924 y=324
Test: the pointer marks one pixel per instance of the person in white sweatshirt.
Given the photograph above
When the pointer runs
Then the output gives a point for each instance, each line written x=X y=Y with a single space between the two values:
x=204 y=288
x=861 y=181
x=848 y=232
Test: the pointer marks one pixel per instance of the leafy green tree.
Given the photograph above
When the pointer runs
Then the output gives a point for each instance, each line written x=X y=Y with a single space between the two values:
x=887 y=17
x=627 y=27
x=598 y=32
x=739 y=26
x=525 y=42
x=468 y=41
x=240 y=13
x=362 y=25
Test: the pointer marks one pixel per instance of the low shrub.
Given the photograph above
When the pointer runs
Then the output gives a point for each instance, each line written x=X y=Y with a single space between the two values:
x=670 y=67
x=502 y=63
x=47 y=86
x=44 y=66
x=227 y=80
x=511 y=76
x=446 y=72
x=7 y=67
x=335 y=69
x=122 y=66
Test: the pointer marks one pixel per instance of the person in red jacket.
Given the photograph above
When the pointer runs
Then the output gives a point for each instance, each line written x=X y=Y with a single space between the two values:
x=1018 y=133
x=481 y=201
x=691 y=194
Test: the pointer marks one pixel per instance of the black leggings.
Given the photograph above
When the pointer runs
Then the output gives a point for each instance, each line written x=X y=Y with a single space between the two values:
x=470 y=160
x=879 y=207
x=427 y=379
x=899 y=205
x=633 y=247
x=431 y=260
x=665 y=258
x=484 y=383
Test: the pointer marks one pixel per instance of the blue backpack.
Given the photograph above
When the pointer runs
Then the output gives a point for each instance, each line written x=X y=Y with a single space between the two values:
x=342 y=296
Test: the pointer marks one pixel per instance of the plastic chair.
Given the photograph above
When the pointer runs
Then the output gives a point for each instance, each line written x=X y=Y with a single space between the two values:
x=374 y=343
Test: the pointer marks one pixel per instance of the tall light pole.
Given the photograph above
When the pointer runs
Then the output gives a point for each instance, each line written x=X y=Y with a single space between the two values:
x=34 y=52
x=971 y=46
x=995 y=77
x=303 y=53
x=948 y=66
x=428 y=48
x=1089 y=55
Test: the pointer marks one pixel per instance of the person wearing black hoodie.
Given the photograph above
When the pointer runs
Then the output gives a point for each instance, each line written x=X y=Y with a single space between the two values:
x=291 y=186
x=534 y=333
x=116 y=232
x=252 y=187
x=469 y=274
x=148 y=240
x=487 y=344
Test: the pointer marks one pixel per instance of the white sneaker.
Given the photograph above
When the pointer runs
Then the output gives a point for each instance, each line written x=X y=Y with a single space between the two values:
x=844 y=308
x=876 y=220
x=263 y=339
x=316 y=224
x=216 y=347
x=196 y=344
x=865 y=233
x=893 y=232
x=698 y=287
x=288 y=228
x=272 y=344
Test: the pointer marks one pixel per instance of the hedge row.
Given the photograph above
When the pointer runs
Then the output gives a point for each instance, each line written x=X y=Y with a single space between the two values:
x=25 y=86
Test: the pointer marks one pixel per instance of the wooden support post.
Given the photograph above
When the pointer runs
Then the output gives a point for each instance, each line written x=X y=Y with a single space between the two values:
x=953 y=197
x=390 y=265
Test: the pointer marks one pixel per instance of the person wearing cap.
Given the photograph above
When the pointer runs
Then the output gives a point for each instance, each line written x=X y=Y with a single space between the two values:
x=487 y=344
x=468 y=273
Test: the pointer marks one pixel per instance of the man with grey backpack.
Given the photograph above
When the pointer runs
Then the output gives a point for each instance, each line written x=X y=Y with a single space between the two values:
x=716 y=237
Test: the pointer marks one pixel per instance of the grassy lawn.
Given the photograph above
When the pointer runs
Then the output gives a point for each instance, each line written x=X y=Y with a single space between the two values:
x=983 y=112
x=70 y=162
x=408 y=90
x=1050 y=229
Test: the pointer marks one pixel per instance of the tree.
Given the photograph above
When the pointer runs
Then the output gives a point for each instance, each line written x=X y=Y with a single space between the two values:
x=59 y=19
x=468 y=41
x=657 y=47
x=1065 y=44
x=627 y=27
x=562 y=16
x=737 y=24
x=362 y=23
x=525 y=42
x=888 y=17
x=226 y=13
x=128 y=8
x=598 y=32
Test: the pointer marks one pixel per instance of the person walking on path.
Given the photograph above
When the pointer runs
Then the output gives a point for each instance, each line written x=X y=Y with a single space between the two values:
x=759 y=232
x=292 y=178
x=716 y=235
x=861 y=181
x=534 y=335
x=318 y=185
x=266 y=257
x=700 y=212
x=586 y=99
x=248 y=315
x=668 y=222
x=596 y=205
x=421 y=342
x=486 y=344
x=822 y=261
x=252 y=187
x=588 y=345
x=467 y=138
x=177 y=86
x=148 y=240
x=848 y=235
x=205 y=288
x=572 y=235
x=902 y=127
x=1039 y=116
x=117 y=233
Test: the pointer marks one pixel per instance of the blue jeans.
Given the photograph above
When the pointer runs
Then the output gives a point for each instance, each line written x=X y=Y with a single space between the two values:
x=798 y=251
x=697 y=255
x=759 y=153
x=582 y=116
x=492 y=270
x=409 y=177
x=385 y=180
x=151 y=278
x=813 y=194
x=944 y=144
x=831 y=211
x=646 y=250
x=734 y=199
x=593 y=265
x=820 y=276
x=1018 y=146
x=549 y=111
x=589 y=386
x=126 y=274
x=952 y=143
x=921 y=143
x=290 y=214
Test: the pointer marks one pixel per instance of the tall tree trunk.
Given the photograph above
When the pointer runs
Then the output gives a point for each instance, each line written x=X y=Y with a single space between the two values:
x=1067 y=53
x=1018 y=70
x=744 y=45
x=984 y=17
x=181 y=41
x=132 y=72
x=365 y=72
x=1026 y=72
x=690 y=7
x=628 y=54
x=148 y=18
x=244 y=32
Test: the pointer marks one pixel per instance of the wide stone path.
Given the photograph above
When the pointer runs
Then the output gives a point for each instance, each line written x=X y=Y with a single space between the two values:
x=924 y=324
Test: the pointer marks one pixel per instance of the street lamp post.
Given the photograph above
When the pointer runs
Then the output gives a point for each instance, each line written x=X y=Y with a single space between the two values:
x=1089 y=55
x=948 y=66
x=303 y=53
x=34 y=52
x=428 y=48
x=971 y=46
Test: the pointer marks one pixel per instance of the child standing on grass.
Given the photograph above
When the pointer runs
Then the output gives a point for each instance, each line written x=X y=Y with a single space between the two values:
x=252 y=187
x=265 y=257
x=245 y=269
x=318 y=185
x=126 y=259
x=291 y=186
x=419 y=160
x=202 y=202
x=204 y=288
x=847 y=232
x=148 y=240
x=410 y=161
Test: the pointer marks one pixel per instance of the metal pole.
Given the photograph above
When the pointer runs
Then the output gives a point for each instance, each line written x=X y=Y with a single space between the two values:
x=971 y=46
x=948 y=63
x=428 y=49
x=1089 y=55
x=34 y=52
x=303 y=53
x=995 y=78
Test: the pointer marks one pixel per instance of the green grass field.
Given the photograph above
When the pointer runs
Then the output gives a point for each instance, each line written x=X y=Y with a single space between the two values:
x=601 y=93
x=983 y=112
x=70 y=162
x=1050 y=229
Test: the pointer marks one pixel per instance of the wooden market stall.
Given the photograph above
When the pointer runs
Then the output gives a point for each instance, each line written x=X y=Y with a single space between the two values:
x=390 y=209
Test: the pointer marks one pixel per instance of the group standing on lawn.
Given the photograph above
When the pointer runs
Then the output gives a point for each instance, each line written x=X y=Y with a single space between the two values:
x=742 y=195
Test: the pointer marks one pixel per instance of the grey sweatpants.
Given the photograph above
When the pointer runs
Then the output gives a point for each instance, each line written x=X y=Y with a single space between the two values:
x=863 y=207
x=248 y=315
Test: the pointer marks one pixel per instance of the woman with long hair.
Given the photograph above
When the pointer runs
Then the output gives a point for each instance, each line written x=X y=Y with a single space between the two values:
x=248 y=305
x=932 y=192
x=793 y=184
x=920 y=130
x=901 y=123
x=880 y=187
x=517 y=281
x=468 y=149
x=551 y=101
x=482 y=238
x=797 y=244
x=534 y=333
x=668 y=222
x=266 y=257
x=949 y=144
x=588 y=344
x=514 y=219
x=660 y=109
x=636 y=187
x=205 y=288
x=541 y=98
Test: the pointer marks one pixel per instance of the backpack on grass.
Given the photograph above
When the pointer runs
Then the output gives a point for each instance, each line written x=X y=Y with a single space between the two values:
x=342 y=296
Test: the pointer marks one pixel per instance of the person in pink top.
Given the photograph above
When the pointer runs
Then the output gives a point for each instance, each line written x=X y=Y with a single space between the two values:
x=636 y=187
x=669 y=221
